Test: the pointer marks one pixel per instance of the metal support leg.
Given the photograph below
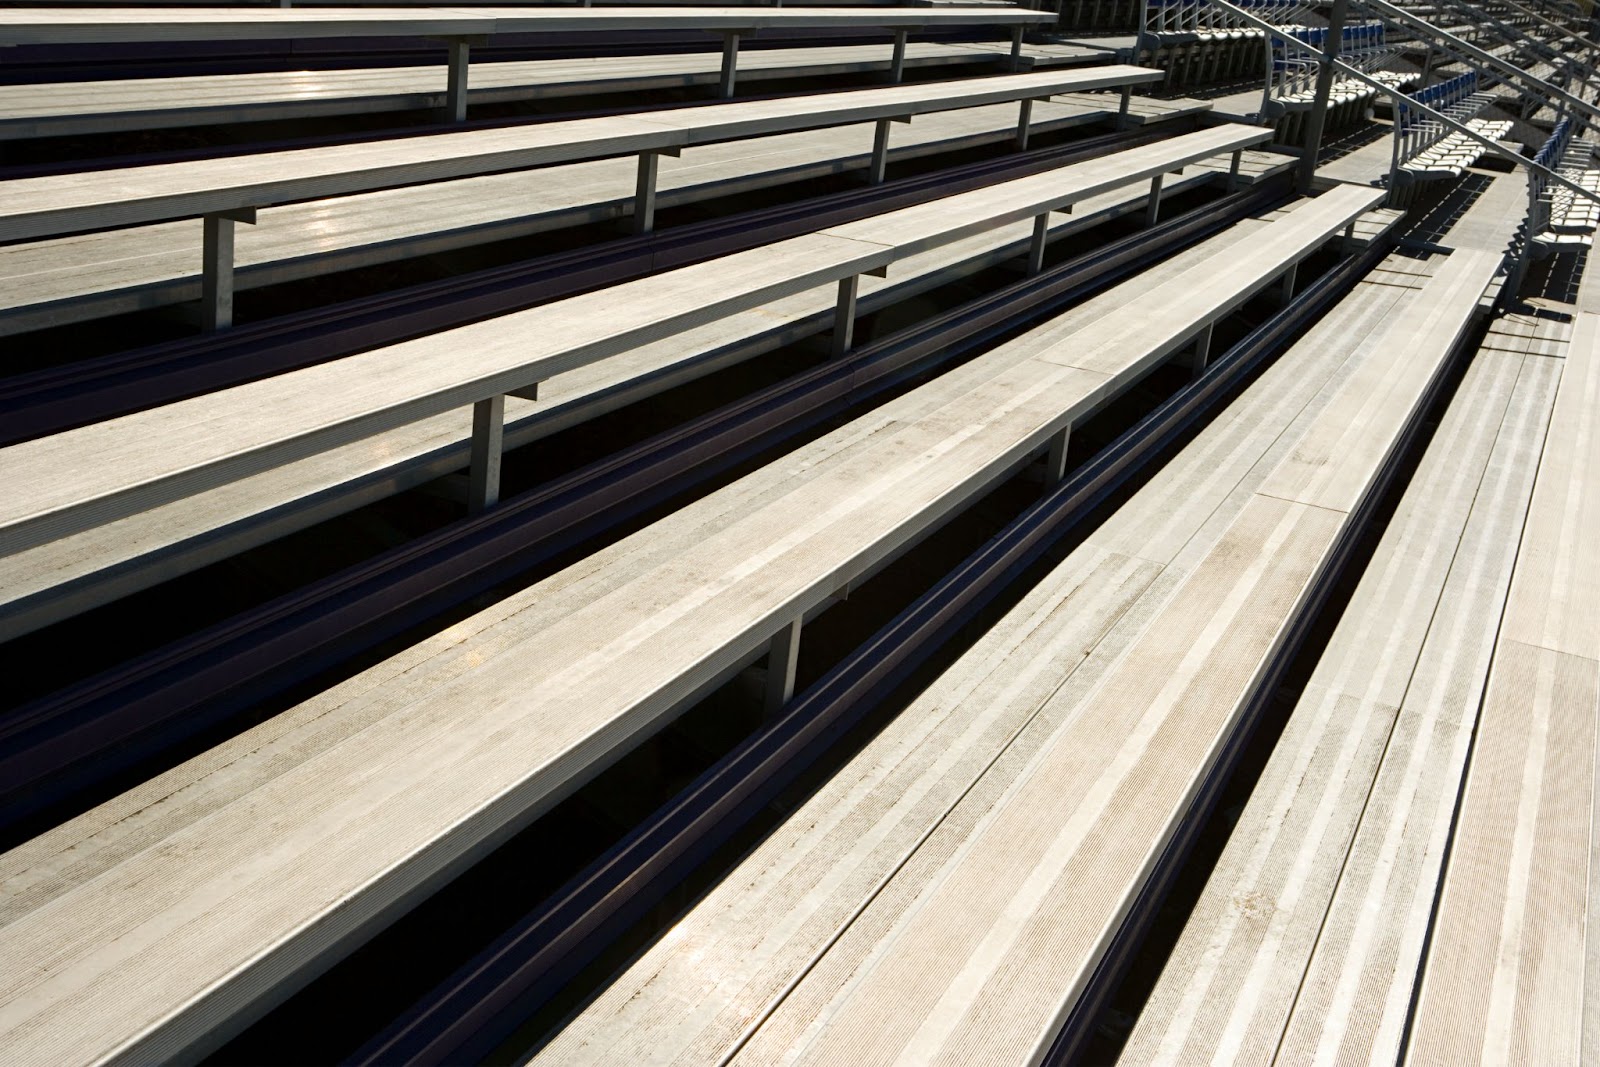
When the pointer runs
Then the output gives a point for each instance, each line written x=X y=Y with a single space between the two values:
x=1287 y=290
x=456 y=93
x=1202 y=351
x=782 y=657
x=216 y=278
x=1233 y=170
x=1055 y=460
x=1041 y=236
x=730 y=63
x=644 y=195
x=1016 y=49
x=488 y=430
x=1152 y=210
x=1122 y=108
x=1024 y=117
x=216 y=267
x=844 y=315
x=897 y=62
x=880 y=152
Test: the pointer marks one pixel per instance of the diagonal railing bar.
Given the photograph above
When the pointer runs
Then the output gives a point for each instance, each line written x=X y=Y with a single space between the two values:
x=1492 y=145
x=1538 y=87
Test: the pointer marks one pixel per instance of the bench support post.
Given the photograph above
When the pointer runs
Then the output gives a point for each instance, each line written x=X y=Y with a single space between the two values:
x=216 y=267
x=730 y=64
x=1024 y=117
x=456 y=93
x=1055 y=460
x=844 y=315
x=488 y=430
x=1233 y=169
x=1152 y=210
x=1122 y=107
x=1016 y=49
x=216 y=277
x=1287 y=290
x=1202 y=350
x=897 y=60
x=880 y=153
x=1041 y=237
x=782 y=656
x=644 y=196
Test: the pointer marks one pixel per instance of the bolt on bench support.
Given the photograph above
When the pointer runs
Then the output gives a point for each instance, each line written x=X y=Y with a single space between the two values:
x=216 y=267
x=488 y=434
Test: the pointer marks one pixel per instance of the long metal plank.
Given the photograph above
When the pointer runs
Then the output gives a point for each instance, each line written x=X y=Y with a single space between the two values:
x=992 y=955
x=183 y=448
x=121 y=25
x=54 y=109
x=693 y=995
x=1509 y=974
x=75 y=573
x=64 y=279
x=519 y=706
x=1418 y=624
x=41 y=207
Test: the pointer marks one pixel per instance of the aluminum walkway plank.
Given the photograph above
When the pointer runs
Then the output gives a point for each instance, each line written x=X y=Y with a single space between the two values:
x=130 y=196
x=1308 y=934
x=995 y=954
x=122 y=26
x=66 y=279
x=802 y=903
x=1511 y=974
x=174 y=920
x=72 y=574
x=187 y=447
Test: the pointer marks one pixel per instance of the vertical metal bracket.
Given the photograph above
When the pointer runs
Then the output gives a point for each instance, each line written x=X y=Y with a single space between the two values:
x=1041 y=237
x=644 y=191
x=1152 y=210
x=216 y=266
x=1024 y=118
x=1055 y=458
x=488 y=434
x=782 y=657
x=730 y=64
x=897 y=59
x=844 y=315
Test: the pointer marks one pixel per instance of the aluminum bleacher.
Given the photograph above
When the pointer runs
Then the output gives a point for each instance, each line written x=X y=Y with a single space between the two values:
x=829 y=513
x=777 y=713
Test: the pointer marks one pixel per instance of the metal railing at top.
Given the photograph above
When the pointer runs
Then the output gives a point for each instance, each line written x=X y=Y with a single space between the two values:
x=1340 y=67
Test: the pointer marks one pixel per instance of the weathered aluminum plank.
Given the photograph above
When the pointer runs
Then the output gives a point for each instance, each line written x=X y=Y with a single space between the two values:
x=129 y=196
x=121 y=25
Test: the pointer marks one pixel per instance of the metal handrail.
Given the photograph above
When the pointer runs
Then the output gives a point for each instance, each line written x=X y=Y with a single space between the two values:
x=1461 y=128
